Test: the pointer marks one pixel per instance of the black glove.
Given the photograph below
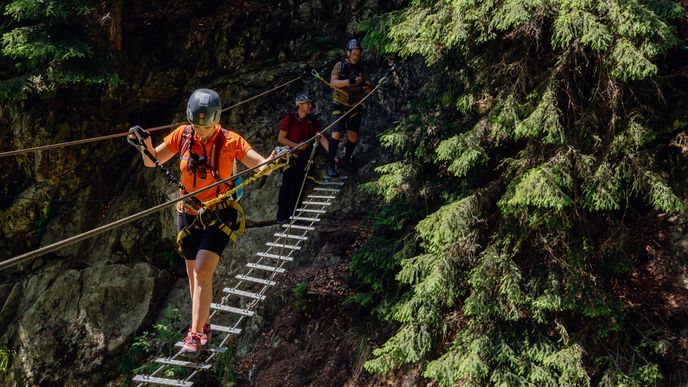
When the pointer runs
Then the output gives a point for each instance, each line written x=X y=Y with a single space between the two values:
x=136 y=136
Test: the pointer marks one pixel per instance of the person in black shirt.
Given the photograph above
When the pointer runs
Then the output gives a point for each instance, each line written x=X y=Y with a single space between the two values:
x=351 y=83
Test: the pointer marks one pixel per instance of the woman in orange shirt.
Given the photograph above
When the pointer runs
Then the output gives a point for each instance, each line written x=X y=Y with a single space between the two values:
x=196 y=143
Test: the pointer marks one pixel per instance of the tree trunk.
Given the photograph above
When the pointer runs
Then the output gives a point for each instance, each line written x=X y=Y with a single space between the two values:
x=116 y=26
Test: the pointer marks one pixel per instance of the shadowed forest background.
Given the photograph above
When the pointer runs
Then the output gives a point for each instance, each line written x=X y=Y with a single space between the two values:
x=518 y=218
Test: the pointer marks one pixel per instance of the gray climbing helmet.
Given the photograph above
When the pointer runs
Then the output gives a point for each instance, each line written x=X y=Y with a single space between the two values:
x=302 y=98
x=353 y=44
x=204 y=108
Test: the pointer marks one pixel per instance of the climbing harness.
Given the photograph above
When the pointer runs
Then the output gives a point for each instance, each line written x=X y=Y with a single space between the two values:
x=206 y=212
x=207 y=215
x=271 y=261
x=277 y=254
x=121 y=222
x=197 y=164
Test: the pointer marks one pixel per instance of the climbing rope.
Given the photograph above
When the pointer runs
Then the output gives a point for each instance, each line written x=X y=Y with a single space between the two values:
x=248 y=311
x=346 y=113
x=118 y=135
x=317 y=76
x=55 y=246
x=99 y=230
x=257 y=296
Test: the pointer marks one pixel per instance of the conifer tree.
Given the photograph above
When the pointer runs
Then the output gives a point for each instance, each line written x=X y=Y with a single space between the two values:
x=539 y=137
x=51 y=43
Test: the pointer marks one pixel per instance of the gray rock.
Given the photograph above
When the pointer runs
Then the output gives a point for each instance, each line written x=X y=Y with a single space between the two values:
x=69 y=323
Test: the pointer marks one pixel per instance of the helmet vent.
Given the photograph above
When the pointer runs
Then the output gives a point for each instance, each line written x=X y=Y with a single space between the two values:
x=203 y=99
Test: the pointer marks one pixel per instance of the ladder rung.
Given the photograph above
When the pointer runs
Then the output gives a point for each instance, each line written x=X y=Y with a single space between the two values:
x=221 y=328
x=305 y=219
x=288 y=226
x=244 y=293
x=330 y=182
x=256 y=280
x=320 y=197
x=318 y=203
x=211 y=348
x=232 y=309
x=326 y=189
x=283 y=235
x=291 y=247
x=162 y=381
x=182 y=363
x=313 y=211
x=275 y=256
x=266 y=268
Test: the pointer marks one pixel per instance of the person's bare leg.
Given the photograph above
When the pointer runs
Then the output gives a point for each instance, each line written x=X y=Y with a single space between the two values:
x=206 y=262
x=190 y=265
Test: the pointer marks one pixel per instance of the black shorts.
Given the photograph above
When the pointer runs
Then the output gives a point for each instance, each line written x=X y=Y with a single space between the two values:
x=351 y=122
x=211 y=239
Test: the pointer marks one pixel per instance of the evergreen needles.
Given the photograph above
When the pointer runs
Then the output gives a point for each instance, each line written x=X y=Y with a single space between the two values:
x=539 y=132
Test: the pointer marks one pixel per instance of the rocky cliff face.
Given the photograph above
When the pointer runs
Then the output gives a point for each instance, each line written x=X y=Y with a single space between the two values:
x=66 y=316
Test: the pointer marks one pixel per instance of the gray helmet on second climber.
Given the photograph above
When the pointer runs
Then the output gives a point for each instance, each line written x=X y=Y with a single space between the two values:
x=204 y=108
x=302 y=98
x=354 y=44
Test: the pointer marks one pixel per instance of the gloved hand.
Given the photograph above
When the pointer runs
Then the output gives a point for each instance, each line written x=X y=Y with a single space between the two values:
x=136 y=137
x=281 y=152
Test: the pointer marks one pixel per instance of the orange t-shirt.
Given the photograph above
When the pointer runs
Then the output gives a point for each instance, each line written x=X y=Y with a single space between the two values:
x=235 y=147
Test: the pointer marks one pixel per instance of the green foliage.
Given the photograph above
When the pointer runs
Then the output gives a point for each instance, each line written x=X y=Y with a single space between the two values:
x=51 y=43
x=496 y=287
x=394 y=182
x=299 y=293
x=538 y=140
x=5 y=360
x=545 y=186
x=153 y=343
x=602 y=189
x=50 y=211
x=223 y=368
x=464 y=152
x=375 y=264
x=300 y=290
x=532 y=361
x=543 y=122
x=641 y=376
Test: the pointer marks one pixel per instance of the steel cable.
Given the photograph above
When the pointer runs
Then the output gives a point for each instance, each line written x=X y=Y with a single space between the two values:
x=118 y=135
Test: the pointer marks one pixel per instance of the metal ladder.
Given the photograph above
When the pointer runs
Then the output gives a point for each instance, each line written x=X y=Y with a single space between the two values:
x=250 y=286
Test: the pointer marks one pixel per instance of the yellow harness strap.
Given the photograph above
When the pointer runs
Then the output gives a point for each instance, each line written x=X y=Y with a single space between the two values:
x=209 y=218
x=223 y=201
x=339 y=112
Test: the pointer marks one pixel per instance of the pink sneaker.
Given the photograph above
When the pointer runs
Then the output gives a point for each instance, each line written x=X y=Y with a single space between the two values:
x=207 y=334
x=192 y=343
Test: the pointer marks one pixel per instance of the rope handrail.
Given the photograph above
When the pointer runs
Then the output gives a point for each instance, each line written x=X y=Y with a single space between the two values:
x=253 y=304
x=121 y=222
x=118 y=135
